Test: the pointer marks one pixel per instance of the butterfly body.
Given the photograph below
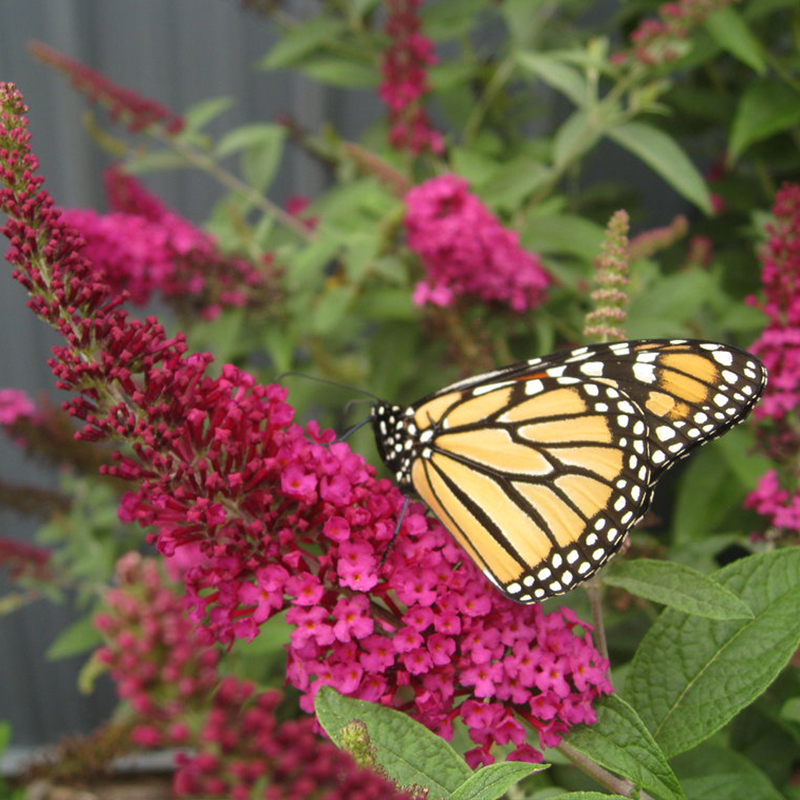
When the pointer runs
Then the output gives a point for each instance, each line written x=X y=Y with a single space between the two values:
x=539 y=469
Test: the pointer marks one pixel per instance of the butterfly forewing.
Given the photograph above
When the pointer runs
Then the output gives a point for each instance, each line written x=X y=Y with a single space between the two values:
x=539 y=469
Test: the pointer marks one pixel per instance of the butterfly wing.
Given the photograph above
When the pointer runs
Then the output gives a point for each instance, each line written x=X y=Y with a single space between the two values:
x=540 y=469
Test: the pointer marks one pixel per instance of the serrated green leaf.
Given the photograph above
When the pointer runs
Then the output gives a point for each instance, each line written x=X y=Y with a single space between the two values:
x=302 y=40
x=716 y=773
x=662 y=153
x=411 y=753
x=556 y=74
x=766 y=108
x=677 y=586
x=620 y=742
x=341 y=72
x=80 y=637
x=716 y=668
x=731 y=33
x=493 y=781
x=563 y=234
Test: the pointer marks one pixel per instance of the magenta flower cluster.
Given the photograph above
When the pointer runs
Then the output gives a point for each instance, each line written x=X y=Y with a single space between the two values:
x=779 y=349
x=25 y=561
x=274 y=516
x=14 y=404
x=143 y=248
x=134 y=111
x=230 y=740
x=405 y=80
x=465 y=250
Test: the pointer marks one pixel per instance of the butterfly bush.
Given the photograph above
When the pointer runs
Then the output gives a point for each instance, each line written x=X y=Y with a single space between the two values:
x=131 y=109
x=142 y=247
x=269 y=515
x=228 y=737
x=465 y=251
x=779 y=349
x=405 y=80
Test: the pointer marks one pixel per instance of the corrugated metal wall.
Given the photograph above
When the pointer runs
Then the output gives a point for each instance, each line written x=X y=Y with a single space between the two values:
x=178 y=52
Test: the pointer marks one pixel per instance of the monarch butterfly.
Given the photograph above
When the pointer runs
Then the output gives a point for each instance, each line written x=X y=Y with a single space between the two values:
x=539 y=469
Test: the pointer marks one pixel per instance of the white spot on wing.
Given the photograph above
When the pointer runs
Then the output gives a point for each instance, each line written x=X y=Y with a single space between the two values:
x=592 y=368
x=645 y=373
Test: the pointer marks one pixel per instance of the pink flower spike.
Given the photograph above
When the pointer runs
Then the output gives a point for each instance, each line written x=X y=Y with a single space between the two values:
x=465 y=251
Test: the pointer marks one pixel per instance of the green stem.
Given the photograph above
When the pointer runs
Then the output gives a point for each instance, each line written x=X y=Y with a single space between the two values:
x=495 y=84
x=595 y=591
x=207 y=164
x=617 y=785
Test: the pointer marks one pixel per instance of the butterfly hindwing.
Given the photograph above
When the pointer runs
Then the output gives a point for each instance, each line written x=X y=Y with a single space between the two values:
x=540 y=468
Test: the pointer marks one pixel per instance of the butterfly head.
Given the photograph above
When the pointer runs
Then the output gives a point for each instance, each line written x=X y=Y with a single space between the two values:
x=395 y=436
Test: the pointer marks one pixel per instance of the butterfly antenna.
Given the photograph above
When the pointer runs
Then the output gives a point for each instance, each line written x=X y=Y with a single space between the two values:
x=352 y=430
x=400 y=519
x=292 y=373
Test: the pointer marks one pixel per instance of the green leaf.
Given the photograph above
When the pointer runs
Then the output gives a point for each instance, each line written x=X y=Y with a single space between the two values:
x=332 y=307
x=246 y=137
x=589 y=796
x=766 y=108
x=556 y=74
x=442 y=77
x=302 y=40
x=387 y=303
x=306 y=268
x=495 y=780
x=575 y=136
x=563 y=234
x=790 y=710
x=620 y=742
x=714 y=485
x=737 y=447
x=341 y=72
x=691 y=675
x=731 y=33
x=716 y=773
x=677 y=586
x=411 y=753
x=663 y=307
x=511 y=183
x=156 y=162
x=199 y=115
x=78 y=638
x=665 y=156
x=449 y=19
